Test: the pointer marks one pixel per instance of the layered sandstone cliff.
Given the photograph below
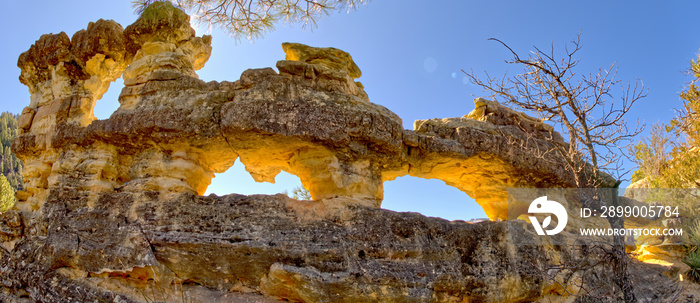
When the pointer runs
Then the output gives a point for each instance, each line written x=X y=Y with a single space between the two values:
x=112 y=208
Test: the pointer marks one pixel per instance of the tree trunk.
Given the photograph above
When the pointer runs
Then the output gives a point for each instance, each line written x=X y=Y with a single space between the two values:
x=619 y=254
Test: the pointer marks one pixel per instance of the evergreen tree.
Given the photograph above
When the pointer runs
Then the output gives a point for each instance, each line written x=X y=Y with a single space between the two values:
x=7 y=195
x=10 y=165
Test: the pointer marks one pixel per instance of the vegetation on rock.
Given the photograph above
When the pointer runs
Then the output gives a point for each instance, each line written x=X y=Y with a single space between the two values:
x=693 y=261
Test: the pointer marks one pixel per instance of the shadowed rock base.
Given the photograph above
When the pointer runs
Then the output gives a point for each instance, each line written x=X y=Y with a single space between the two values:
x=266 y=245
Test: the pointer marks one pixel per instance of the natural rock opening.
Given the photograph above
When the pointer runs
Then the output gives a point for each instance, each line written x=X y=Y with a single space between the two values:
x=409 y=193
x=105 y=107
x=236 y=180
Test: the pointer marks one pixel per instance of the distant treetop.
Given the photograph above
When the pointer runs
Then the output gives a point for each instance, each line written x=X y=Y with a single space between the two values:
x=252 y=18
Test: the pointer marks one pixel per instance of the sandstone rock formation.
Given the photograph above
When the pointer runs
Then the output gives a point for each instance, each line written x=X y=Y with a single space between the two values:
x=112 y=208
x=172 y=131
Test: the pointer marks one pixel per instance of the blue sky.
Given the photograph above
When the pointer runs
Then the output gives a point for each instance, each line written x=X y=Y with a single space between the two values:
x=411 y=53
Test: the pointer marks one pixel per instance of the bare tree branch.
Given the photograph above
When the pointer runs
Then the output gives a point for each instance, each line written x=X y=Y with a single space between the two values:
x=583 y=108
x=589 y=117
x=252 y=18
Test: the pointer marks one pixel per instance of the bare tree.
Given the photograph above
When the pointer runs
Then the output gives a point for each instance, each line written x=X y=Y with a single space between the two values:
x=590 y=119
x=252 y=18
x=583 y=108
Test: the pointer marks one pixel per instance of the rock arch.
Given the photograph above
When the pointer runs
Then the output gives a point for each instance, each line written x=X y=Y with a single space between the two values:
x=172 y=131
x=113 y=204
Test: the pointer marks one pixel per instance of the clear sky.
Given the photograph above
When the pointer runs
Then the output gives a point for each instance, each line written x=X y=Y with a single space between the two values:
x=411 y=53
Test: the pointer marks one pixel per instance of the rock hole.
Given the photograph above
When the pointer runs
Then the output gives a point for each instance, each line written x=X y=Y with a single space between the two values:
x=237 y=180
x=430 y=197
x=403 y=230
x=109 y=102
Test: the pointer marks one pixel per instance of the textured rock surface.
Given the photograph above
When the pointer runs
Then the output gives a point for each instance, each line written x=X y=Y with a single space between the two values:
x=237 y=248
x=112 y=209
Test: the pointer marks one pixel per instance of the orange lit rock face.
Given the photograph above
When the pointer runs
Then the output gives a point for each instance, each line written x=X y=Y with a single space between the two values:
x=65 y=78
x=486 y=152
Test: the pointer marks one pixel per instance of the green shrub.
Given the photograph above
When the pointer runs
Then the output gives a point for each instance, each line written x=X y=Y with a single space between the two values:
x=693 y=261
x=693 y=233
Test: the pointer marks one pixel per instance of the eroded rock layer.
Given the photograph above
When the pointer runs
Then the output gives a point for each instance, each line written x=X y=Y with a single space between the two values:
x=150 y=246
x=112 y=208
